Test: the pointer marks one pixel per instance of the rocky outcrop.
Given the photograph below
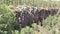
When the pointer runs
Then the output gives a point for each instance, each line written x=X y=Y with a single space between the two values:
x=28 y=15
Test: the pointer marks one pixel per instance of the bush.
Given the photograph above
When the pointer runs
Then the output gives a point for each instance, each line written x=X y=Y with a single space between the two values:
x=7 y=17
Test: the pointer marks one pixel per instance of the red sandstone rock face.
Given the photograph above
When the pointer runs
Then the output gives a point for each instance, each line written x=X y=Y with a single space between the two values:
x=28 y=15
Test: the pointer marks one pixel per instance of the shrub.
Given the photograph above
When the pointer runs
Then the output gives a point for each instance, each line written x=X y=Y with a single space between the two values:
x=7 y=17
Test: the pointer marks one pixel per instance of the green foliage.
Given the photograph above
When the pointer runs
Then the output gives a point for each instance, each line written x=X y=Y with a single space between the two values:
x=7 y=19
x=6 y=15
x=37 y=3
x=51 y=21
